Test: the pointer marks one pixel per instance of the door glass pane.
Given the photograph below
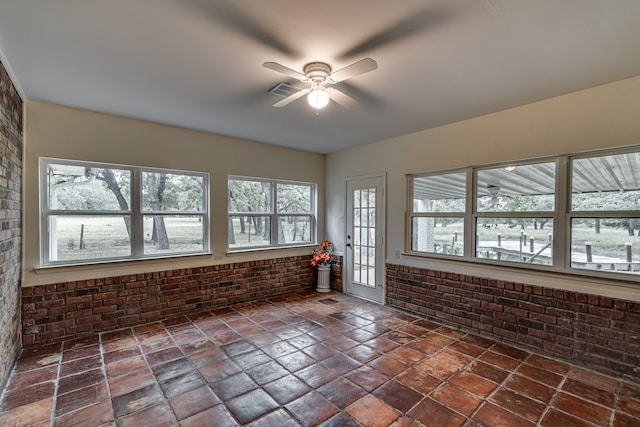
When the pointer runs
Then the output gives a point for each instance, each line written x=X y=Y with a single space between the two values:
x=364 y=233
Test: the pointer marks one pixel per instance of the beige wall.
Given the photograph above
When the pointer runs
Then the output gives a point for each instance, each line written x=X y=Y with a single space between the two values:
x=604 y=116
x=55 y=131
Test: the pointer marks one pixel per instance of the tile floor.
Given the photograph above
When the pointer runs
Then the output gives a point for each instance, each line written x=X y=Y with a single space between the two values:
x=308 y=359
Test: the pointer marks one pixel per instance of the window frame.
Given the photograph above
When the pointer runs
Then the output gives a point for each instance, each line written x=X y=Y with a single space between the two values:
x=274 y=216
x=562 y=216
x=136 y=212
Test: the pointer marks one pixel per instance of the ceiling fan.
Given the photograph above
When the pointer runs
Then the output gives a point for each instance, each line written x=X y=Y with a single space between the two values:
x=320 y=79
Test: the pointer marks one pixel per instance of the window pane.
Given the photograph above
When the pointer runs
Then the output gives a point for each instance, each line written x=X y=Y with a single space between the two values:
x=249 y=231
x=440 y=235
x=609 y=244
x=294 y=198
x=607 y=183
x=168 y=192
x=80 y=188
x=440 y=193
x=167 y=234
x=78 y=238
x=526 y=240
x=525 y=188
x=294 y=229
x=250 y=196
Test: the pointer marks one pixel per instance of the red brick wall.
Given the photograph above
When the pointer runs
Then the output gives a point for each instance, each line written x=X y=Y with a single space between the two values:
x=10 y=222
x=598 y=332
x=61 y=311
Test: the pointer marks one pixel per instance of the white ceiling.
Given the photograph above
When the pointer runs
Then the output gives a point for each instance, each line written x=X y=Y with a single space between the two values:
x=198 y=63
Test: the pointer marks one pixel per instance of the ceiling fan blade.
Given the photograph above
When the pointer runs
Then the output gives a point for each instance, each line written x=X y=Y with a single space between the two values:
x=412 y=25
x=355 y=69
x=289 y=99
x=341 y=97
x=285 y=70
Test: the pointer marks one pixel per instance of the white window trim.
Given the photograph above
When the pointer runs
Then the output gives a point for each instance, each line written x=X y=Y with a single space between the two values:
x=274 y=215
x=562 y=216
x=135 y=212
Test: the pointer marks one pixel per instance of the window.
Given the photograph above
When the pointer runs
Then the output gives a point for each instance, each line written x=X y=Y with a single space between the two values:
x=573 y=212
x=267 y=213
x=605 y=212
x=515 y=206
x=438 y=209
x=95 y=212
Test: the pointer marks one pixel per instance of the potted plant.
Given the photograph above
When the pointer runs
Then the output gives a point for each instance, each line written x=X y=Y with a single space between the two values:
x=322 y=259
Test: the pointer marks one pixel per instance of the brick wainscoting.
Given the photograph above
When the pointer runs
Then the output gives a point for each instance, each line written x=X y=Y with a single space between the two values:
x=62 y=311
x=597 y=332
x=11 y=222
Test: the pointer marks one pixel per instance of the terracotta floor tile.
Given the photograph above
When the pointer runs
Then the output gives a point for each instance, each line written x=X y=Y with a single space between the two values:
x=419 y=380
x=312 y=409
x=495 y=416
x=342 y=392
x=529 y=387
x=582 y=409
x=80 y=398
x=233 y=386
x=500 y=360
x=27 y=414
x=181 y=384
x=473 y=383
x=619 y=420
x=131 y=381
x=295 y=361
x=219 y=370
x=398 y=396
x=316 y=375
x=278 y=418
x=252 y=405
x=164 y=356
x=341 y=420
x=508 y=350
x=432 y=413
x=437 y=367
x=595 y=379
x=35 y=376
x=589 y=392
x=267 y=372
x=519 y=404
x=407 y=355
x=367 y=378
x=555 y=418
x=136 y=400
x=362 y=353
x=340 y=363
x=629 y=406
x=125 y=366
x=159 y=415
x=371 y=411
x=457 y=399
x=489 y=372
x=80 y=365
x=549 y=364
x=388 y=365
x=286 y=389
x=90 y=416
x=193 y=402
x=307 y=359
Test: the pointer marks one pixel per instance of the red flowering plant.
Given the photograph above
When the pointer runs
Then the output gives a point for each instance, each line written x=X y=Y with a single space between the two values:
x=324 y=255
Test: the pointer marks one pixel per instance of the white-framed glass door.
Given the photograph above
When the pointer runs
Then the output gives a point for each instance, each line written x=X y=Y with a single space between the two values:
x=364 y=238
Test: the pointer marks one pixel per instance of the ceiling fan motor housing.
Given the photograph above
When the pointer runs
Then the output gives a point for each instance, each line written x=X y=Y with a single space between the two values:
x=317 y=71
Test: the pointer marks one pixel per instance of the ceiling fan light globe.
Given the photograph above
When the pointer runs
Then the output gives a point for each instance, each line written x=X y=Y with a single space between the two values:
x=318 y=98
